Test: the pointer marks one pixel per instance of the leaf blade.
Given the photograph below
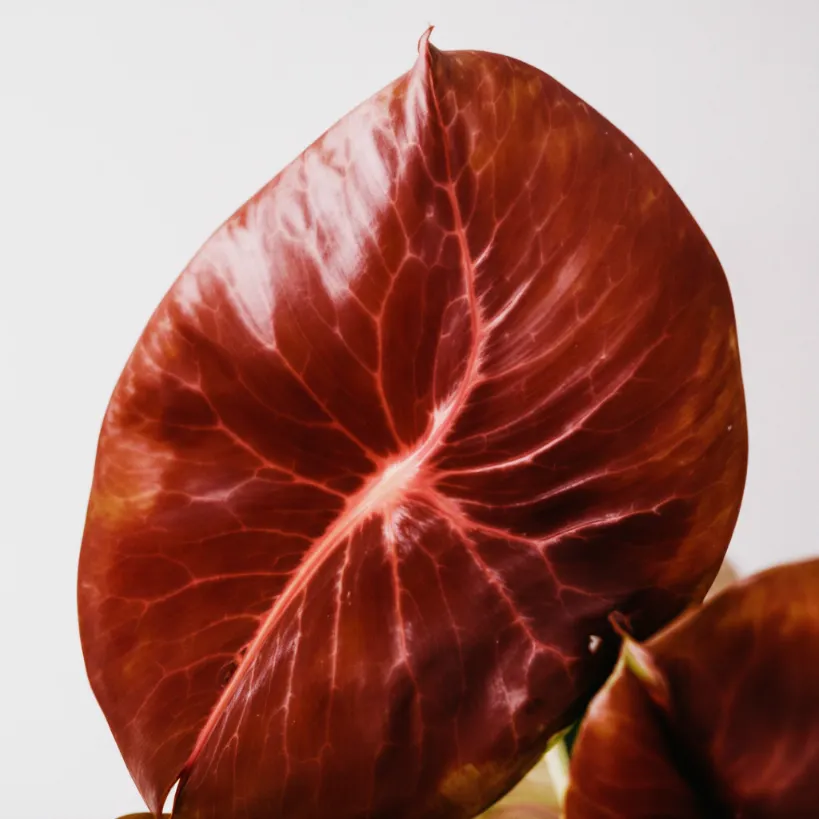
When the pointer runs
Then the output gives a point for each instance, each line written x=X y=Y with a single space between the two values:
x=470 y=347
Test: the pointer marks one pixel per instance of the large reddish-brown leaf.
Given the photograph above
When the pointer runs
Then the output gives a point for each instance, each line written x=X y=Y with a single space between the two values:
x=456 y=384
x=717 y=716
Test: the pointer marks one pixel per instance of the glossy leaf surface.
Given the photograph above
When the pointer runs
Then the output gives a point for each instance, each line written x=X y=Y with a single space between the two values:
x=717 y=716
x=455 y=385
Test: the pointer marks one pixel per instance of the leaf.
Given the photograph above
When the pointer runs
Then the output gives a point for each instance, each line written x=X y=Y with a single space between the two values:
x=458 y=383
x=737 y=733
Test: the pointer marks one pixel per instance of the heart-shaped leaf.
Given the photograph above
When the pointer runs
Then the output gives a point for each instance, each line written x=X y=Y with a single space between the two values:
x=717 y=716
x=456 y=384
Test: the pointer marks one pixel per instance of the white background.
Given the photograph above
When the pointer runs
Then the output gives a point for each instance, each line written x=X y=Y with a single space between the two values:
x=129 y=131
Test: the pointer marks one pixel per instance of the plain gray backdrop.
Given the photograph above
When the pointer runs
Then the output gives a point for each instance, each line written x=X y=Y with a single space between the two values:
x=130 y=131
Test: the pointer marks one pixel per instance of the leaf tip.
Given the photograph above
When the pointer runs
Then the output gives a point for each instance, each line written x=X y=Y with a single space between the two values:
x=423 y=40
x=640 y=662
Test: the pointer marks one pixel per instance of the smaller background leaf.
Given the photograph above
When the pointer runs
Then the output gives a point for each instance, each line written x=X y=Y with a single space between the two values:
x=740 y=732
